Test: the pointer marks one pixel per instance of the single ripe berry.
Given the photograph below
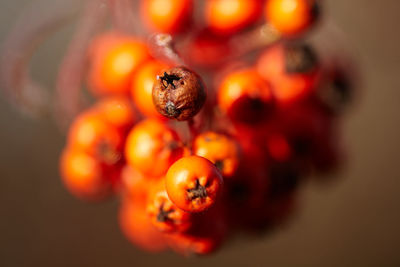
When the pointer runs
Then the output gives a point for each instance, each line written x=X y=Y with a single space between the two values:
x=245 y=97
x=164 y=214
x=91 y=133
x=230 y=16
x=167 y=16
x=151 y=147
x=113 y=60
x=193 y=183
x=142 y=87
x=117 y=111
x=220 y=149
x=85 y=176
x=293 y=70
x=179 y=93
x=291 y=17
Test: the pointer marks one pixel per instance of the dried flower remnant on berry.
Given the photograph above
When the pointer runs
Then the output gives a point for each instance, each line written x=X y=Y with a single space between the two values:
x=168 y=80
x=198 y=192
x=163 y=215
x=179 y=93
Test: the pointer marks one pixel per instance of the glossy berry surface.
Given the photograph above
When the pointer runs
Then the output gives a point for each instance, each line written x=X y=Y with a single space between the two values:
x=193 y=183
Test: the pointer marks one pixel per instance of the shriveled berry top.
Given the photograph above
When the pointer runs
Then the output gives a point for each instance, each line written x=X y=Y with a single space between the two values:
x=179 y=93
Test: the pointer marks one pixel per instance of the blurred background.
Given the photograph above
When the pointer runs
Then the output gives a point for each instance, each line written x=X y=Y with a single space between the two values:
x=351 y=221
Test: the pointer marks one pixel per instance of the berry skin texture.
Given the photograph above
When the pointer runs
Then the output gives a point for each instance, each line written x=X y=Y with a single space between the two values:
x=167 y=16
x=151 y=147
x=179 y=93
x=193 y=183
x=220 y=149
x=114 y=58
x=245 y=97
x=291 y=17
x=293 y=70
x=164 y=214
x=230 y=16
x=142 y=87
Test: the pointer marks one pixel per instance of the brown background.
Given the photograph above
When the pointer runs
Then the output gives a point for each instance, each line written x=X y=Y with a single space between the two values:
x=352 y=221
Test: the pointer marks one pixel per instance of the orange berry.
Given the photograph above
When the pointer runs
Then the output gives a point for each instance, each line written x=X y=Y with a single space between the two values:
x=291 y=17
x=292 y=70
x=244 y=96
x=114 y=58
x=152 y=147
x=84 y=176
x=220 y=149
x=92 y=134
x=142 y=87
x=167 y=16
x=230 y=16
x=193 y=183
x=117 y=111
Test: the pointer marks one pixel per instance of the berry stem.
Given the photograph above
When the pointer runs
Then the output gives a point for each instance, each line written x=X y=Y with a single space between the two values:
x=36 y=24
x=71 y=75
x=162 y=46
x=260 y=37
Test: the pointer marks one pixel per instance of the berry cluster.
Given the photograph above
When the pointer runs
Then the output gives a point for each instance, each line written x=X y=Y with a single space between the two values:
x=208 y=128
